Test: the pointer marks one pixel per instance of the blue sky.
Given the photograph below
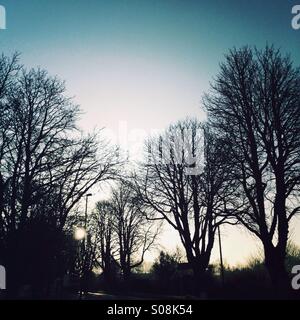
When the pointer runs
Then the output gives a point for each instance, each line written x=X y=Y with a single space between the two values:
x=147 y=60
x=144 y=63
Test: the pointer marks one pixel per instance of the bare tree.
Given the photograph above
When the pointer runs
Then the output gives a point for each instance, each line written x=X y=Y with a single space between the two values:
x=255 y=105
x=46 y=155
x=9 y=69
x=105 y=239
x=135 y=234
x=185 y=183
x=47 y=164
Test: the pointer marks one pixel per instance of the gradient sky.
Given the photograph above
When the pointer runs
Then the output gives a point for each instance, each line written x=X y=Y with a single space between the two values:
x=135 y=66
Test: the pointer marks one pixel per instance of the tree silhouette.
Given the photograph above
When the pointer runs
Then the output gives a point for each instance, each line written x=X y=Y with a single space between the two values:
x=105 y=239
x=254 y=104
x=47 y=164
x=185 y=183
x=135 y=234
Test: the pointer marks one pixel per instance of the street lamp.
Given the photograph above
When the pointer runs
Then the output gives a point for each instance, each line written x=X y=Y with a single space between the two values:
x=79 y=233
x=83 y=280
x=221 y=257
x=86 y=207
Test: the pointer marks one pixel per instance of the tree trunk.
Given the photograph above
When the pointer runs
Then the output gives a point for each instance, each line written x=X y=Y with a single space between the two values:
x=126 y=273
x=199 y=267
x=275 y=256
x=275 y=264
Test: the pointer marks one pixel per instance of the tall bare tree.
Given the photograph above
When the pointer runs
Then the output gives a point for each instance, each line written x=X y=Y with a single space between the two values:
x=46 y=155
x=47 y=164
x=9 y=69
x=185 y=183
x=254 y=104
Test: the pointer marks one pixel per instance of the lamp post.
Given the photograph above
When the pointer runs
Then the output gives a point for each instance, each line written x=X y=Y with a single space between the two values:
x=85 y=214
x=83 y=280
x=221 y=257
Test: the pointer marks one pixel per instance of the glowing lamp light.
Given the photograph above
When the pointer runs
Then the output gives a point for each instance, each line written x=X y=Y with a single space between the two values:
x=79 y=233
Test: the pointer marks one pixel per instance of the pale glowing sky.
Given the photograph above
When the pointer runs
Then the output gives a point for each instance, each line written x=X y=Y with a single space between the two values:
x=144 y=63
